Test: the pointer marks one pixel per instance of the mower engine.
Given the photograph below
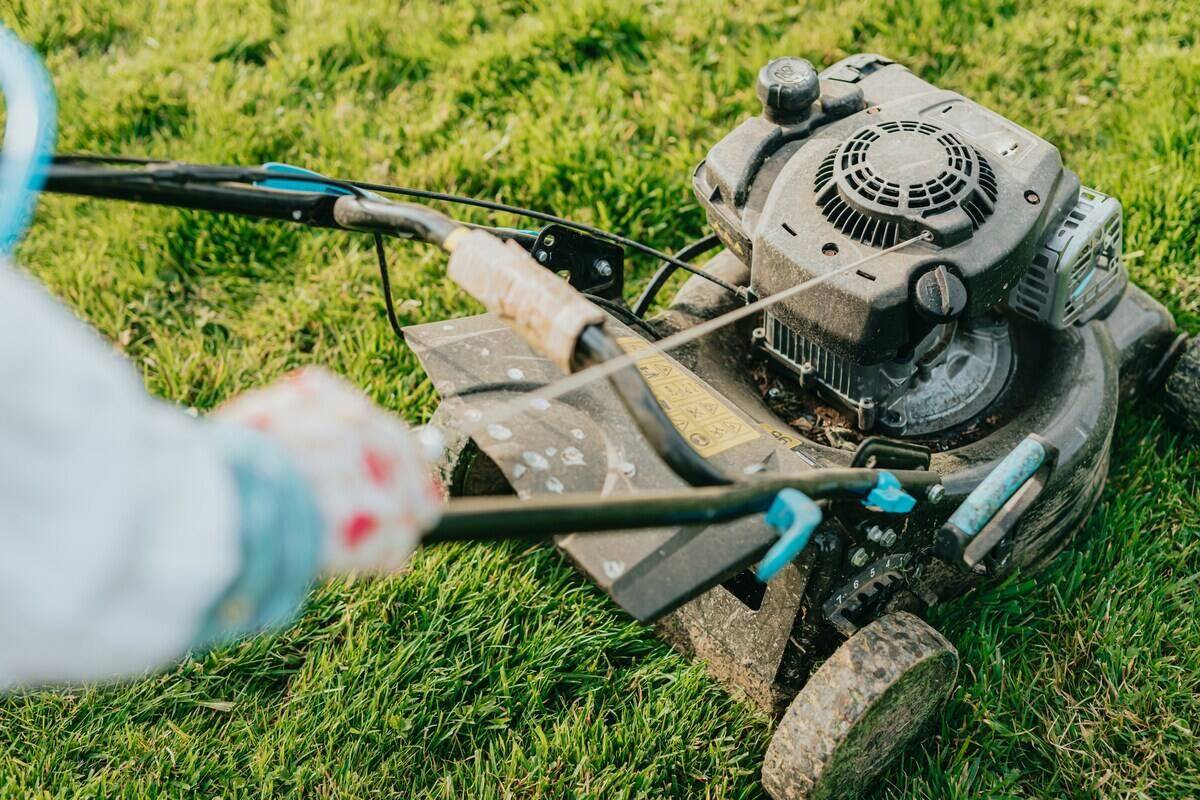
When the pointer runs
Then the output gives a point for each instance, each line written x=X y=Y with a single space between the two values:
x=846 y=167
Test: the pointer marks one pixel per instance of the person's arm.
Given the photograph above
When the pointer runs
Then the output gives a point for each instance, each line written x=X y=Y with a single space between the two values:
x=132 y=533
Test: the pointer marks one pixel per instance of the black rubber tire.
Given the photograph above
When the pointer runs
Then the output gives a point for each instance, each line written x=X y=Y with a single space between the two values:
x=1182 y=389
x=861 y=709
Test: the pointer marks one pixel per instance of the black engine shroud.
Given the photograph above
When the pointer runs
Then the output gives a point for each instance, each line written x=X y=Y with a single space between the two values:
x=879 y=157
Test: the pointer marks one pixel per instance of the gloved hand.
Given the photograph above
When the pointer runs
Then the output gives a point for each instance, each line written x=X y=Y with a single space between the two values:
x=370 y=480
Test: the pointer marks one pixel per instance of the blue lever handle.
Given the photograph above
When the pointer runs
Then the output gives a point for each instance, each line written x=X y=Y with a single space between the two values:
x=795 y=516
x=296 y=186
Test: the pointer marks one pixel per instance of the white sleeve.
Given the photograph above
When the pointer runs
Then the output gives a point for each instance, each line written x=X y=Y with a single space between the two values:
x=119 y=524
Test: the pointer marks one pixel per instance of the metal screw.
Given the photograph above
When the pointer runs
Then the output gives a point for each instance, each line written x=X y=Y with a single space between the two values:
x=603 y=268
x=774 y=392
x=935 y=493
x=860 y=557
x=874 y=533
x=889 y=538
x=548 y=241
x=542 y=256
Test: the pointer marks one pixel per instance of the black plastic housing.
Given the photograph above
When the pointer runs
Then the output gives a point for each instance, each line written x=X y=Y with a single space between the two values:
x=770 y=195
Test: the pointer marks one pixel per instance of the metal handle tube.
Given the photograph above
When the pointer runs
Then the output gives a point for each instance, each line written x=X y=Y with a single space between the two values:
x=376 y=215
x=311 y=209
x=476 y=518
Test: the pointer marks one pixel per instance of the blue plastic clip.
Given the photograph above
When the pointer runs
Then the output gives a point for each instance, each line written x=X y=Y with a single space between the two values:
x=888 y=496
x=795 y=516
x=28 y=135
x=297 y=186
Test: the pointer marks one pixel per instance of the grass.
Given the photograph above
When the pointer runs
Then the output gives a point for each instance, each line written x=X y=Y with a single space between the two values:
x=496 y=671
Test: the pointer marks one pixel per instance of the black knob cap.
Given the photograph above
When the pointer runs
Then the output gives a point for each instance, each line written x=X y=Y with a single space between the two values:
x=940 y=295
x=787 y=87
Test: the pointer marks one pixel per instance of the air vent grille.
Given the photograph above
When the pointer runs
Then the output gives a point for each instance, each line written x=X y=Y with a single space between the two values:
x=902 y=168
x=1078 y=267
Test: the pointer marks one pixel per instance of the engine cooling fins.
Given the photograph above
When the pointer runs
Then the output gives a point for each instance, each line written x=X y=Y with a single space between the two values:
x=900 y=175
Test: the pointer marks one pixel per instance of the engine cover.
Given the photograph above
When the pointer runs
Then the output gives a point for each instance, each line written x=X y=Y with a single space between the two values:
x=880 y=157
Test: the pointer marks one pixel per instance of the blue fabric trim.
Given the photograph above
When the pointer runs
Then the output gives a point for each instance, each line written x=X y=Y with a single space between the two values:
x=28 y=140
x=281 y=532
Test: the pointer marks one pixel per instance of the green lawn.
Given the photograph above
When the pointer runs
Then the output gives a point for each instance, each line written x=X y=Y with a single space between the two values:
x=497 y=671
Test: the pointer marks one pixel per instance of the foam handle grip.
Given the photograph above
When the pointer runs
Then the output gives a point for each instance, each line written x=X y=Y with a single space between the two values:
x=1001 y=484
x=545 y=310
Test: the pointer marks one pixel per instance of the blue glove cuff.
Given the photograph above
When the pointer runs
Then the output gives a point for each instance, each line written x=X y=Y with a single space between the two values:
x=281 y=536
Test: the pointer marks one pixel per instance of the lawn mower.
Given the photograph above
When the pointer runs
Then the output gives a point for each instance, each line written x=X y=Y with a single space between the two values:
x=895 y=383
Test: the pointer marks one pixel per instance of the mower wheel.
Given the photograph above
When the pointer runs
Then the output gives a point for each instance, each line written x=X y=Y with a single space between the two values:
x=1182 y=390
x=860 y=710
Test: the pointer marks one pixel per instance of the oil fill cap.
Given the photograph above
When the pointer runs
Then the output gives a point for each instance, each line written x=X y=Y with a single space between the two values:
x=939 y=295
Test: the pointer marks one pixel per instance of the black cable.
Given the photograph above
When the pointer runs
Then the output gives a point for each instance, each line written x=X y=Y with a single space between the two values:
x=595 y=346
x=622 y=313
x=539 y=215
x=386 y=284
x=668 y=268
x=88 y=158
x=445 y=197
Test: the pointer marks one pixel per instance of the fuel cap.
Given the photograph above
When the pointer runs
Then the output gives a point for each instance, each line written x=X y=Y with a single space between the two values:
x=787 y=87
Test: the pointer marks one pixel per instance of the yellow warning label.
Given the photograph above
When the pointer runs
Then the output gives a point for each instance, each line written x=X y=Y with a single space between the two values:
x=708 y=424
x=783 y=437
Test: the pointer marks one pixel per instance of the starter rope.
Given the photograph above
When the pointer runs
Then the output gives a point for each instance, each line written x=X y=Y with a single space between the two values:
x=578 y=380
